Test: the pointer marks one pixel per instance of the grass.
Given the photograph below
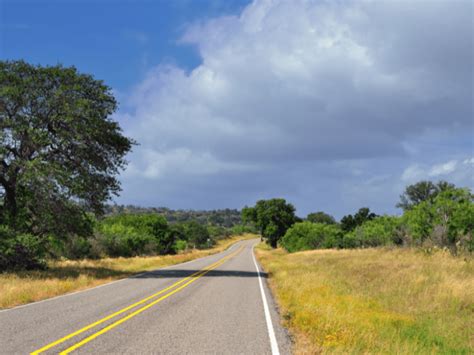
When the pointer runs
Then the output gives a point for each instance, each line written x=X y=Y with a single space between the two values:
x=374 y=300
x=61 y=277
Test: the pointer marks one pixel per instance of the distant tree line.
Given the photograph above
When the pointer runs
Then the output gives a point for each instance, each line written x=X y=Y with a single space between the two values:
x=223 y=217
x=434 y=215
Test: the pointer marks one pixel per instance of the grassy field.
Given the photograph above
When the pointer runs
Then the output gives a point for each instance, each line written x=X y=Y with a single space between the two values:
x=67 y=276
x=374 y=300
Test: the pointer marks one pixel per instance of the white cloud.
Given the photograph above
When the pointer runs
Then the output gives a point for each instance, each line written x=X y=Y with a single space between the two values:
x=459 y=171
x=413 y=173
x=443 y=169
x=303 y=82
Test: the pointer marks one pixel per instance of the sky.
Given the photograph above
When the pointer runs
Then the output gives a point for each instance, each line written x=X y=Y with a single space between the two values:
x=332 y=105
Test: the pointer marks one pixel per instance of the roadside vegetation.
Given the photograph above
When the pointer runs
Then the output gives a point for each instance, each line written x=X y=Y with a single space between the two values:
x=65 y=276
x=375 y=284
x=376 y=300
x=434 y=216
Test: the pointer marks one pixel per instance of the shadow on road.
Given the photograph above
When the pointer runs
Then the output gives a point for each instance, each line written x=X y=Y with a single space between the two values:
x=185 y=273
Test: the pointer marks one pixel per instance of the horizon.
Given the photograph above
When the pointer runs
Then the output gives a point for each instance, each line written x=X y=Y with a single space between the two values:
x=332 y=106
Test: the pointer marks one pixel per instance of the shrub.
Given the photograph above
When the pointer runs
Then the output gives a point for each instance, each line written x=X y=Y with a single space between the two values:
x=446 y=221
x=180 y=245
x=20 y=251
x=197 y=235
x=376 y=232
x=307 y=235
x=240 y=229
x=135 y=234
x=218 y=232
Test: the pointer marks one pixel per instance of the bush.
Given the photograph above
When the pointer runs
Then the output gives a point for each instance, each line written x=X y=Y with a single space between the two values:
x=240 y=229
x=20 y=251
x=135 y=234
x=373 y=233
x=180 y=245
x=446 y=221
x=218 y=232
x=197 y=235
x=308 y=235
x=122 y=240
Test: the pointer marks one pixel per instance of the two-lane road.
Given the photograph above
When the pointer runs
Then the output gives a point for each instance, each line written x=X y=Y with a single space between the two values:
x=218 y=304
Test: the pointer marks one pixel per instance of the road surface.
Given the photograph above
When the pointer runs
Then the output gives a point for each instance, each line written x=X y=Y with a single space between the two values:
x=219 y=304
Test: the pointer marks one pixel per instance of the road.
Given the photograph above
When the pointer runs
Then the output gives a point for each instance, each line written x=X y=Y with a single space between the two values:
x=219 y=304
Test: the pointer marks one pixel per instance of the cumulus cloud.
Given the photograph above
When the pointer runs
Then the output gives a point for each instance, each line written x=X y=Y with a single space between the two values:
x=307 y=82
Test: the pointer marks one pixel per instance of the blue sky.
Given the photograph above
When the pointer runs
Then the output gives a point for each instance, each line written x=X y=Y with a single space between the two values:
x=333 y=105
x=116 y=40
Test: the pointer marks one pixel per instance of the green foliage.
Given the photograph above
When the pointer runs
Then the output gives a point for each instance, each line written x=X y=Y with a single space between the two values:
x=349 y=222
x=307 y=235
x=136 y=234
x=218 y=232
x=240 y=229
x=446 y=220
x=423 y=191
x=197 y=235
x=272 y=217
x=20 y=251
x=223 y=218
x=321 y=217
x=121 y=240
x=59 y=149
x=439 y=215
x=180 y=245
x=376 y=232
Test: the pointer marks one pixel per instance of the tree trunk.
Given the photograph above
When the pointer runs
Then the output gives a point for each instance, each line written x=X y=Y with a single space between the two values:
x=11 y=206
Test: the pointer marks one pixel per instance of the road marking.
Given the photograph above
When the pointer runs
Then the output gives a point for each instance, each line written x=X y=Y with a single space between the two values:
x=100 y=321
x=268 y=318
x=138 y=311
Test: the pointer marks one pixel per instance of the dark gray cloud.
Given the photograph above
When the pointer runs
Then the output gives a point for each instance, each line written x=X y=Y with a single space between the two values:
x=289 y=90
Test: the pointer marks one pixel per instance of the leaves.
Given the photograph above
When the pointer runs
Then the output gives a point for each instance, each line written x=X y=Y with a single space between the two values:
x=59 y=149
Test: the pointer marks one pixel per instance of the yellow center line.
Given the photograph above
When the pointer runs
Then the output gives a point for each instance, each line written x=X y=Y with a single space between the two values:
x=138 y=311
x=100 y=321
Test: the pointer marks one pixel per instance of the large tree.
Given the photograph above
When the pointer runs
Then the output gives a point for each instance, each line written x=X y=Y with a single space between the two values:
x=420 y=192
x=272 y=217
x=60 y=150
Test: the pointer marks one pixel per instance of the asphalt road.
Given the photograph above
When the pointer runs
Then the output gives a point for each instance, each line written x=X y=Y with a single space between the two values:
x=212 y=305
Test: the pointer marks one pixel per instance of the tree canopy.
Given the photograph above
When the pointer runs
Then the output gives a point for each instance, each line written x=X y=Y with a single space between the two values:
x=350 y=222
x=272 y=217
x=60 y=150
x=321 y=217
x=420 y=192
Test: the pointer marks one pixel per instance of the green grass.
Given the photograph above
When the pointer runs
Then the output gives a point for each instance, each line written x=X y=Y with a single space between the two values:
x=374 y=300
x=17 y=288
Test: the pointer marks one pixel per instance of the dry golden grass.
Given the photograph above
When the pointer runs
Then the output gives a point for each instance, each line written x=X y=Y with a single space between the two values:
x=374 y=300
x=67 y=276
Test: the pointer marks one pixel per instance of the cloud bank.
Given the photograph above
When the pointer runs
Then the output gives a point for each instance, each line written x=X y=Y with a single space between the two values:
x=309 y=100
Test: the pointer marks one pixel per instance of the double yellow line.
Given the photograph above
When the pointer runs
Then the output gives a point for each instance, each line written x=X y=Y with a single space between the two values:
x=185 y=282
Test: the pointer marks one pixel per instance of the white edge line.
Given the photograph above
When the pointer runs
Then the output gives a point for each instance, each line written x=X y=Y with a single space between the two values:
x=268 y=318
x=113 y=282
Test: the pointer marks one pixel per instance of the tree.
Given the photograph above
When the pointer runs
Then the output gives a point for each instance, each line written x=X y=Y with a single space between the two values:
x=448 y=219
x=349 y=222
x=272 y=217
x=59 y=148
x=197 y=234
x=321 y=217
x=421 y=191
